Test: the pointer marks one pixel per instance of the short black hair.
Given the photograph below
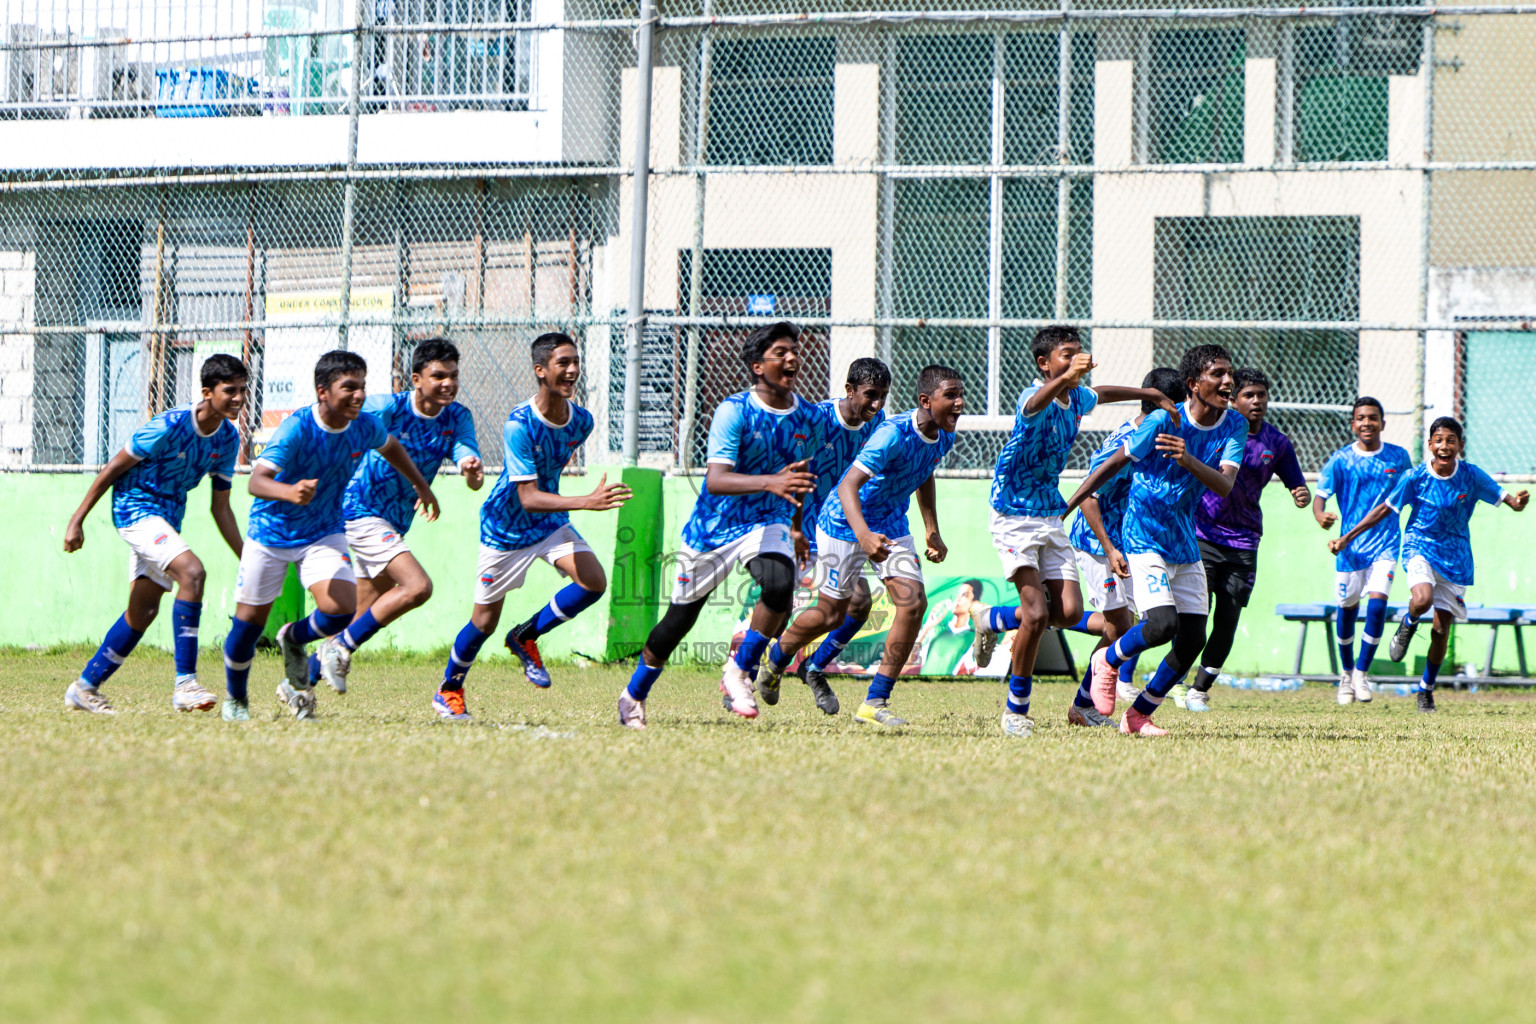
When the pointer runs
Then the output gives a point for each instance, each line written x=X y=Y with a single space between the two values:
x=338 y=363
x=545 y=344
x=433 y=350
x=1447 y=423
x=1049 y=339
x=220 y=369
x=975 y=586
x=870 y=371
x=1167 y=380
x=1198 y=357
x=1248 y=375
x=930 y=378
x=1365 y=400
x=762 y=339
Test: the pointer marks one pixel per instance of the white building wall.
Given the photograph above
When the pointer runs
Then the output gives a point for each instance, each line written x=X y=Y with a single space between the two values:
x=18 y=286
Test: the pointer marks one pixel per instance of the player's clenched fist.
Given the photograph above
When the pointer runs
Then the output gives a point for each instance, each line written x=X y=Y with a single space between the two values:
x=302 y=492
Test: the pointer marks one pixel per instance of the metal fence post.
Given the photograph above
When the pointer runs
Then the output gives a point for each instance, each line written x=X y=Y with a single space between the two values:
x=1063 y=157
x=645 y=39
x=349 y=190
x=696 y=268
x=1427 y=68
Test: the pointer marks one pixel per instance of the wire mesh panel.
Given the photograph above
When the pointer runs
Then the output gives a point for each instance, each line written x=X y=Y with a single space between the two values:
x=1341 y=196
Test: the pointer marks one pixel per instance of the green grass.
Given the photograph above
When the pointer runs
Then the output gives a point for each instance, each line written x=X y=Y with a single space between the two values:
x=1279 y=859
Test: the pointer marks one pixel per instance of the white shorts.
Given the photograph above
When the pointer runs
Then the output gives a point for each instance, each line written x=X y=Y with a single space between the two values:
x=1160 y=585
x=263 y=569
x=375 y=543
x=699 y=572
x=839 y=563
x=1035 y=542
x=1375 y=578
x=500 y=571
x=153 y=544
x=1449 y=597
x=1105 y=591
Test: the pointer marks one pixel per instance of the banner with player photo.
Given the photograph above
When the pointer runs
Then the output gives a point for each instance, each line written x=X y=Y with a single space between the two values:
x=944 y=643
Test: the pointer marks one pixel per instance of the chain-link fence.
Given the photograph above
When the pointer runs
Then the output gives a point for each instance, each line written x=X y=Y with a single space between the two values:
x=1344 y=196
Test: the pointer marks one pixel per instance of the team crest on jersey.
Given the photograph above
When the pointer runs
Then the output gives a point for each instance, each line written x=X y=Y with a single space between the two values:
x=162 y=538
x=1267 y=456
x=389 y=538
x=487 y=578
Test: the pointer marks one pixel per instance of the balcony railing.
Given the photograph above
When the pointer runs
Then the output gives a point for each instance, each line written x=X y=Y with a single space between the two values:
x=248 y=58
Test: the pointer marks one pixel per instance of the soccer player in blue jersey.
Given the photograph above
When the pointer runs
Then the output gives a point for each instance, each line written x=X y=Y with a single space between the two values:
x=380 y=504
x=1360 y=477
x=526 y=518
x=1173 y=463
x=298 y=483
x=150 y=479
x=865 y=521
x=847 y=424
x=1027 y=506
x=761 y=442
x=1096 y=541
x=1437 y=544
x=1229 y=529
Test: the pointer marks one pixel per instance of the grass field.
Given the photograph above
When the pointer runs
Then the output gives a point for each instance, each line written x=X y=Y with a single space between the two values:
x=1279 y=859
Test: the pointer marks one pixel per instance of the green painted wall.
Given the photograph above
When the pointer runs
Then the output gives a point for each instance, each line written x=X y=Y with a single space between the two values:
x=59 y=598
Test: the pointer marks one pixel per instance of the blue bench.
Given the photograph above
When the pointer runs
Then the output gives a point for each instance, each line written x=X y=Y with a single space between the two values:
x=1491 y=615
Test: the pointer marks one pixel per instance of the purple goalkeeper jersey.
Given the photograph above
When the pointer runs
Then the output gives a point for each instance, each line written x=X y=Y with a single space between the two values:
x=1236 y=521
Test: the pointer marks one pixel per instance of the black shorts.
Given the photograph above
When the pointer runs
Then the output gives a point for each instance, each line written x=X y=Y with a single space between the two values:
x=1230 y=570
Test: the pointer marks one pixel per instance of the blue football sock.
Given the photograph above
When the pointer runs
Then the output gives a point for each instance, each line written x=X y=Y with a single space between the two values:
x=1001 y=620
x=1345 y=631
x=1431 y=673
x=1165 y=679
x=1147 y=702
x=1019 y=688
x=186 y=616
x=835 y=642
x=1084 y=697
x=1127 y=648
x=314 y=669
x=317 y=626
x=1081 y=626
x=643 y=679
x=1128 y=669
x=880 y=688
x=750 y=653
x=120 y=641
x=466 y=648
x=1370 y=639
x=778 y=658
x=359 y=632
x=570 y=602
x=239 y=649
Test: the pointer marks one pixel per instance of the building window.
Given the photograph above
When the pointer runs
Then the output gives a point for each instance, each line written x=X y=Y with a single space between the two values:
x=1341 y=112
x=1194 y=84
x=770 y=101
x=1501 y=434
x=944 y=99
x=1269 y=268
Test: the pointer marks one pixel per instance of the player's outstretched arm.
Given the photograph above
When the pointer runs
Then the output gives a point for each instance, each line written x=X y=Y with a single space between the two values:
x=395 y=454
x=224 y=519
x=1098 y=478
x=1518 y=500
x=1054 y=389
x=1320 y=512
x=927 y=505
x=1372 y=517
x=788 y=483
x=876 y=545
x=1111 y=393
x=604 y=497
x=74 y=533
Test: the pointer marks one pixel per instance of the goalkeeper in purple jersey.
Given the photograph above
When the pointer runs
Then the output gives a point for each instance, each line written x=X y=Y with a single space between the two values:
x=1228 y=529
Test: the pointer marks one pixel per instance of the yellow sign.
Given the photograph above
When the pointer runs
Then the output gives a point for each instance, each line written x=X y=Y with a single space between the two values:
x=319 y=303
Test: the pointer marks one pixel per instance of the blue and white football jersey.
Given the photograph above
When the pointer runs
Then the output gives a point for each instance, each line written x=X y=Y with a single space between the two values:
x=1359 y=481
x=535 y=449
x=304 y=448
x=1027 y=480
x=1111 y=494
x=1160 y=510
x=839 y=444
x=173 y=457
x=751 y=438
x=377 y=489
x=1442 y=507
x=898 y=460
